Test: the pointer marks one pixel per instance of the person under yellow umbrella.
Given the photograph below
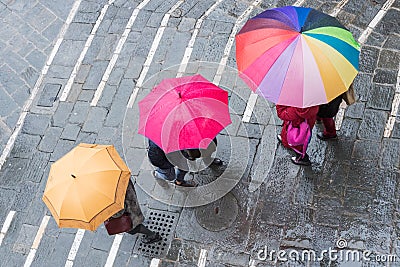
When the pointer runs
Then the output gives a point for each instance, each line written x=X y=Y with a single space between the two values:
x=90 y=185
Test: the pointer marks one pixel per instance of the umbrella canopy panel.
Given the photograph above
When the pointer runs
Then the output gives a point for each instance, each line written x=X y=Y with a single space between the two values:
x=296 y=56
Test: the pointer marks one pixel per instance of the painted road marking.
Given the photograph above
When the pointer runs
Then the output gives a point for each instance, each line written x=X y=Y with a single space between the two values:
x=6 y=225
x=155 y=262
x=37 y=240
x=74 y=248
x=70 y=82
x=395 y=108
x=338 y=8
x=229 y=44
x=35 y=90
x=114 y=250
x=189 y=48
x=185 y=60
x=152 y=52
x=363 y=37
x=202 y=258
x=251 y=102
x=117 y=51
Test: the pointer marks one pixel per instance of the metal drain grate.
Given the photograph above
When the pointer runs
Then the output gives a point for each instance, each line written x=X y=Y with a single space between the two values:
x=163 y=222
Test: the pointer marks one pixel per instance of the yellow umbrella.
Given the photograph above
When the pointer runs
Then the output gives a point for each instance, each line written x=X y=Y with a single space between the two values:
x=86 y=186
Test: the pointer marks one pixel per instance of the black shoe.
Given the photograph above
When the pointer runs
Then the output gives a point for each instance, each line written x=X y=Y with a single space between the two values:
x=150 y=239
x=184 y=183
x=217 y=162
x=326 y=138
x=301 y=161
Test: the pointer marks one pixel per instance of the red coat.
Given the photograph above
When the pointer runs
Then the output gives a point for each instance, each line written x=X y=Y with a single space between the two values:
x=296 y=116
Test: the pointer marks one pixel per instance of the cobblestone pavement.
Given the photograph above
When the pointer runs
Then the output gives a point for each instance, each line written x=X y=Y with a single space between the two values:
x=68 y=71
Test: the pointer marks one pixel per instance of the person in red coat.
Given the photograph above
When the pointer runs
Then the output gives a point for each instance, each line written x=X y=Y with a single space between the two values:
x=296 y=116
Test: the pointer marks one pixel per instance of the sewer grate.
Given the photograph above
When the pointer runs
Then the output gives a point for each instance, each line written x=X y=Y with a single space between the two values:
x=163 y=222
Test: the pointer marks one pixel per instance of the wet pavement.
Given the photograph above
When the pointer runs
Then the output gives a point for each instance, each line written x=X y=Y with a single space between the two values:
x=73 y=72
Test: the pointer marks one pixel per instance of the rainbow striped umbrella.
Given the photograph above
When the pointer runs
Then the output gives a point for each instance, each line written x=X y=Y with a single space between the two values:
x=296 y=56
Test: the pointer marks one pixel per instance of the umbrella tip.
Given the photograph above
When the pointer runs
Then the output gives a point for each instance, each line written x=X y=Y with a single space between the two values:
x=73 y=176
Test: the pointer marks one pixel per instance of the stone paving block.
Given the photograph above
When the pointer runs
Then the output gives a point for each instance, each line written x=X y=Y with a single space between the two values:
x=141 y=20
x=51 y=32
x=389 y=23
x=229 y=258
x=390 y=156
x=186 y=24
x=96 y=258
x=174 y=22
x=102 y=241
x=88 y=138
x=59 y=255
x=328 y=211
x=396 y=130
x=8 y=78
x=366 y=149
x=222 y=27
x=38 y=17
x=25 y=196
x=82 y=74
x=47 y=246
x=36 y=124
x=389 y=59
x=7 y=104
x=70 y=132
x=60 y=117
x=116 y=76
x=355 y=111
x=122 y=259
x=357 y=201
x=49 y=95
x=25 y=239
x=386 y=190
x=79 y=113
x=373 y=125
x=68 y=52
x=155 y=20
x=215 y=49
x=107 y=96
x=368 y=58
x=36 y=59
x=57 y=71
x=7 y=198
x=85 y=17
x=84 y=248
x=385 y=76
x=30 y=76
x=95 y=74
x=362 y=86
x=78 y=31
x=135 y=67
x=381 y=97
x=95 y=119
x=86 y=96
x=25 y=145
x=106 y=133
x=93 y=50
x=199 y=9
x=62 y=148
x=392 y=42
x=139 y=260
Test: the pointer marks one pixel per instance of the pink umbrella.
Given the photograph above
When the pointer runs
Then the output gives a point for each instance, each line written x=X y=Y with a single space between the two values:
x=184 y=113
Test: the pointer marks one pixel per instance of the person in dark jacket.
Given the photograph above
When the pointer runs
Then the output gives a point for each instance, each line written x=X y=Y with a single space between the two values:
x=132 y=208
x=295 y=116
x=326 y=114
x=165 y=169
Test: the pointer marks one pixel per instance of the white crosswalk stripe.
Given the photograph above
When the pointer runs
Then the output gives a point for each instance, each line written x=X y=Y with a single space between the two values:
x=36 y=241
x=6 y=225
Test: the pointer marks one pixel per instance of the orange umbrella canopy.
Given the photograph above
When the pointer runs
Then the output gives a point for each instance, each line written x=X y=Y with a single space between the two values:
x=86 y=186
